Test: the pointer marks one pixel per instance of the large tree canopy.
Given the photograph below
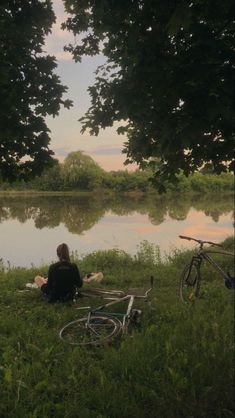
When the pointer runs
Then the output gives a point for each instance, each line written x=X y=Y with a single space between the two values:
x=169 y=76
x=29 y=89
x=80 y=170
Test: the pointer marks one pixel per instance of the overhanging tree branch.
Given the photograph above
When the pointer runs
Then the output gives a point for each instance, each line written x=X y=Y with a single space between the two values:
x=29 y=88
x=173 y=90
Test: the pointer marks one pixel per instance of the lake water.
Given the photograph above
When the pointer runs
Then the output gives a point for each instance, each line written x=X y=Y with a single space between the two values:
x=32 y=227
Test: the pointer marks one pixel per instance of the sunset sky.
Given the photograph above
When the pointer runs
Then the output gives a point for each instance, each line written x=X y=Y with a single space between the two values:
x=65 y=128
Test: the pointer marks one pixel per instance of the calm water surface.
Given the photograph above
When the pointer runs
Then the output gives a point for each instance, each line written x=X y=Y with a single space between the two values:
x=32 y=227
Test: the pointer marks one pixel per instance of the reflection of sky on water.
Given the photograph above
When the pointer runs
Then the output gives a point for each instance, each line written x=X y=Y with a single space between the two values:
x=23 y=244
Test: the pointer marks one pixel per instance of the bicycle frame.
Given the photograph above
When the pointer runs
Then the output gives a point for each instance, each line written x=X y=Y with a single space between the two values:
x=191 y=277
x=125 y=316
x=204 y=255
x=100 y=326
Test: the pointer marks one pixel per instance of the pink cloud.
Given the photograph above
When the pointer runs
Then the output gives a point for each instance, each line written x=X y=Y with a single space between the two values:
x=114 y=162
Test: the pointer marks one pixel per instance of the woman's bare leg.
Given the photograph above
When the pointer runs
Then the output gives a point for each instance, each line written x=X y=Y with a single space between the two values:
x=97 y=277
x=39 y=280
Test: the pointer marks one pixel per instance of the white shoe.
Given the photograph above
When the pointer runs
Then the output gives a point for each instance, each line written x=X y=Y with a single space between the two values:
x=31 y=285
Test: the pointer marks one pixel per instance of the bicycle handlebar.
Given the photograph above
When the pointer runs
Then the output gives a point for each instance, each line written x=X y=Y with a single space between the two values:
x=199 y=241
x=147 y=291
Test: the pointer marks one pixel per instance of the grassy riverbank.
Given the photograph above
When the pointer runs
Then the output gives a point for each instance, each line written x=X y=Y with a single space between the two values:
x=178 y=364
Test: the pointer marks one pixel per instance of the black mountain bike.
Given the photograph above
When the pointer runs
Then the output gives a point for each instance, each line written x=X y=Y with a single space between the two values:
x=191 y=275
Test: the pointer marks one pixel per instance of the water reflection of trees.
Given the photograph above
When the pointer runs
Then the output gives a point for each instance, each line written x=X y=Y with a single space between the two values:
x=79 y=214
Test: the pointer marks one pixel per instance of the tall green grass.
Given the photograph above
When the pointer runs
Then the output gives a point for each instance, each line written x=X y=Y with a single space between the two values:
x=179 y=363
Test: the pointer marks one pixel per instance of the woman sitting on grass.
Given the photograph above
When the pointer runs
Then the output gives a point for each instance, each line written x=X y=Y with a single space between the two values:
x=63 y=278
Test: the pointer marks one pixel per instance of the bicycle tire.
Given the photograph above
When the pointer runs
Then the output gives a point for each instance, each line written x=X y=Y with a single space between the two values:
x=190 y=283
x=100 y=330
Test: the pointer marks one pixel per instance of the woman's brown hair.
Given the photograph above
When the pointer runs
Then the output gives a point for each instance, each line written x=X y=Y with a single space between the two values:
x=63 y=252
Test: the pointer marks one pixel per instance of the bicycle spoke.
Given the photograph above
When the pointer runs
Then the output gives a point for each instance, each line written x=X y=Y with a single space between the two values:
x=93 y=331
x=100 y=329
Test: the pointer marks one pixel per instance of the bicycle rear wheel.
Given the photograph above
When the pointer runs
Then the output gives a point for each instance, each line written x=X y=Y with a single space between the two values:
x=96 y=330
x=190 y=283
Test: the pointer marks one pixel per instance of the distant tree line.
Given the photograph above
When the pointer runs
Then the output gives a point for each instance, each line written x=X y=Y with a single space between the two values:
x=79 y=172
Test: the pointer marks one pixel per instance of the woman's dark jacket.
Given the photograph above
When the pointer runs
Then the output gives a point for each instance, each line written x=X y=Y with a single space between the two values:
x=63 y=279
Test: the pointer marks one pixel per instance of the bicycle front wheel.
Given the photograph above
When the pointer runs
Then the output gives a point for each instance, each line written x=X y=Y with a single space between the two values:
x=96 y=330
x=190 y=283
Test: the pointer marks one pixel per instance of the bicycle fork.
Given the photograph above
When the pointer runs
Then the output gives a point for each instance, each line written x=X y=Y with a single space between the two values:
x=195 y=262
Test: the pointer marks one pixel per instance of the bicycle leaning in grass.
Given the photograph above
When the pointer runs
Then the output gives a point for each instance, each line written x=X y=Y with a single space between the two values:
x=191 y=275
x=99 y=327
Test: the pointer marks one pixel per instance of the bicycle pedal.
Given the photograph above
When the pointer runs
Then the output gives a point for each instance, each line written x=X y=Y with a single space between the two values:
x=230 y=282
x=136 y=314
